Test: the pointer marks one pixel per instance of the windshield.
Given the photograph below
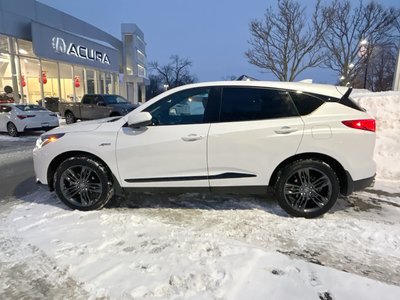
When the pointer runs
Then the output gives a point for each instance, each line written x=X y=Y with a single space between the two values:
x=29 y=107
x=114 y=99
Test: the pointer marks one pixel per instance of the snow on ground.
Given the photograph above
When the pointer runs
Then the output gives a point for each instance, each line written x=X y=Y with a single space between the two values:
x=201 y=246
x=385 y=107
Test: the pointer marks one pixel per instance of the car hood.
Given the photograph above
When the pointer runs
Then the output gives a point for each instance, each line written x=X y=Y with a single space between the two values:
x=81 y=126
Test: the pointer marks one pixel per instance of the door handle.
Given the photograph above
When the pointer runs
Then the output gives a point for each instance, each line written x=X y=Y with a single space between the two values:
x=192 y=137
x=285 y=130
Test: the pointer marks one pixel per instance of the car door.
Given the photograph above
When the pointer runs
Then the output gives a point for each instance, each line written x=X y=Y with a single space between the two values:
x=86 y=107
x=258 y=129
x=172 y=151
x=100 y=108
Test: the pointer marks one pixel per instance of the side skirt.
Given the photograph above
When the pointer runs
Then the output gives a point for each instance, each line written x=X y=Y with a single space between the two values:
x=242 y=190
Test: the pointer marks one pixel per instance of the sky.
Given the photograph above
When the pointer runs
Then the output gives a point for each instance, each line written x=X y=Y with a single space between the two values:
x=213 y=34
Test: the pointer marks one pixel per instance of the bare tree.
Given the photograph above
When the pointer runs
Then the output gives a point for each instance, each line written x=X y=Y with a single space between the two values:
x=285 y=43
x=380 y=73
x=175 y=73
x=353 y=35
x=155 y=87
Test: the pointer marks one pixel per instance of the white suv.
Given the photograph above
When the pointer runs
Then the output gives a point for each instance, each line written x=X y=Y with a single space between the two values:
x=308 y=142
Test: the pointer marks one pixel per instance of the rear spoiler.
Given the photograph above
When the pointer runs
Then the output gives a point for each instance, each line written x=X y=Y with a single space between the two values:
x=347 y=94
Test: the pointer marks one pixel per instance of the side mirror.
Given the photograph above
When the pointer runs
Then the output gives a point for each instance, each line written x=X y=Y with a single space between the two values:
x=139 y=119
x=101 y=103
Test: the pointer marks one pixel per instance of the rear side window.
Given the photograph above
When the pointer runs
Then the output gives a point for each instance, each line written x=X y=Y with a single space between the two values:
x=305 y=103
x=4 y=109
x=87 y=100
x=246 y=104
x=29 y=107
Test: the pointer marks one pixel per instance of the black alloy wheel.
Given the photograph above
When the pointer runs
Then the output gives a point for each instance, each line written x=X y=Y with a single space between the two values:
x=12 y=129
x=83 y=183
x=307 y=188
x=70 y=118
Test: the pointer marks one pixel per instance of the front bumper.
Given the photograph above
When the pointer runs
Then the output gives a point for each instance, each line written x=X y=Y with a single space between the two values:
x=40 y=165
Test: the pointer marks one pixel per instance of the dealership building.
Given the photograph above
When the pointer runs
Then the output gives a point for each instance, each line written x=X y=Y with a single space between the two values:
x=46 y=53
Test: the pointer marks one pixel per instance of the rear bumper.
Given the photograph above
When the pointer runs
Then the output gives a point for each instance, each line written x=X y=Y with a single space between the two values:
x=352 y=186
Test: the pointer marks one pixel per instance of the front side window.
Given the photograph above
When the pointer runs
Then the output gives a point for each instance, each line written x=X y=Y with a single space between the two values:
x=185 y=107
x=246 y=104
x=97 y=99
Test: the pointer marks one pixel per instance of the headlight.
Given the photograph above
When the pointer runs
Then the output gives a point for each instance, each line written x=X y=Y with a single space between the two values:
x=47 y=139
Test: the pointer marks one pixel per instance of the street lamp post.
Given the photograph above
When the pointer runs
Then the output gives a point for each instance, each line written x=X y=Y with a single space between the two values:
x=365 y=55
x=396 y=79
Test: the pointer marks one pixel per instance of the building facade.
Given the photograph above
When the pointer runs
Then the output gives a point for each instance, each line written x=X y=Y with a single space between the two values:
x=46 y=53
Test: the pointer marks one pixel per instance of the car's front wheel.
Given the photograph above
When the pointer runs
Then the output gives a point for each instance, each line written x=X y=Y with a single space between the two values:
x=12 y=129
x=307 y=188
x=83 y=183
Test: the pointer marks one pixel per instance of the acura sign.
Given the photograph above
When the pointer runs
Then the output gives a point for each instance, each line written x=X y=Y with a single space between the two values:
x=58 y=45
x=83 y=52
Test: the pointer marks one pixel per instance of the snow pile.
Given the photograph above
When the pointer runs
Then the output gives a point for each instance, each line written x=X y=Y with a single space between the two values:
x=385 y=108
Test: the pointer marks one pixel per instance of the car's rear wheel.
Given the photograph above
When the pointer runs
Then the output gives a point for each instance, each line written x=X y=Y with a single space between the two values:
x=12 y=129
x=70 y=118
x=307 y=188
x=83 y=183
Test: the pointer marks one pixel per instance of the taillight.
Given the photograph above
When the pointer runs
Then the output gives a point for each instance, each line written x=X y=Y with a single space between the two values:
x=365 y=124
x=21 y=117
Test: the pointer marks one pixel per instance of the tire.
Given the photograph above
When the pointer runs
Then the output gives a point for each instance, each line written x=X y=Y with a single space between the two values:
x=70 y=118
x=12 y=129
x=307 y=188
x=83 y=183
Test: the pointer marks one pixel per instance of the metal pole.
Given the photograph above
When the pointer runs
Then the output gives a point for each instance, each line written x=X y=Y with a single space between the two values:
x=396 y=79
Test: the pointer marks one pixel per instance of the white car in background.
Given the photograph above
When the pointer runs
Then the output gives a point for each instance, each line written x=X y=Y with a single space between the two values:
x=307 y=142
x=17 y=118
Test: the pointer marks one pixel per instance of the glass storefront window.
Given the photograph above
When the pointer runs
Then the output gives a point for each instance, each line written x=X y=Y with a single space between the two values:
x=109 y=87
x=79 y=82
x=66 y=82
x=30 y=74
x=5 y=77
x=50 y=79
x=100 y=82
x=25 y=48
x=4 y=43
x=90 y=81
